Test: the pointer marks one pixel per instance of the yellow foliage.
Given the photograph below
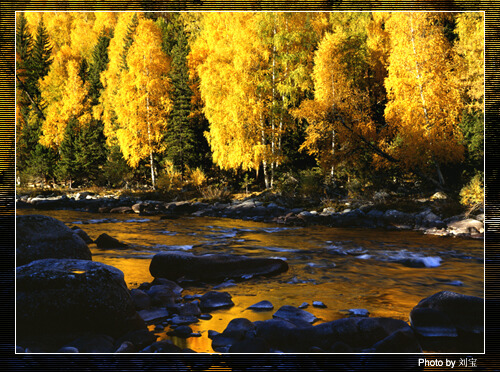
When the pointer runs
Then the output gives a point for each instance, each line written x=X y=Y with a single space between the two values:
x=473 y=193
x=424 y=104
x=470 y=50
x=340 y=101
x=142 y=102
x=65 y=94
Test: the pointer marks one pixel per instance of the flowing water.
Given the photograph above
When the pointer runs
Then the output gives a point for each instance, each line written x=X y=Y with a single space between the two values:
x=344 y=268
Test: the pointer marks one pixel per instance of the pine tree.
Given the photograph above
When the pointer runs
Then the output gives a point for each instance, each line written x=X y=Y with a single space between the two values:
x=40 y=61
x=68 y=168
x=180 y=136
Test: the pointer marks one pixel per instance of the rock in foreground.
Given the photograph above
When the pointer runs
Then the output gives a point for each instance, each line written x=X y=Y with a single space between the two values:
x=62 y=295
x=449 y=321
x=40 y=237
x=176 y=265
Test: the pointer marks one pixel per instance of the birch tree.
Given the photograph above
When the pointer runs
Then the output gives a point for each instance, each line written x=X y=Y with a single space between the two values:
x=143 y=101
x=424 y=104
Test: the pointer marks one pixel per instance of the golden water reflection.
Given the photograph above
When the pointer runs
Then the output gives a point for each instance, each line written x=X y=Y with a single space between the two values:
x=320 y=270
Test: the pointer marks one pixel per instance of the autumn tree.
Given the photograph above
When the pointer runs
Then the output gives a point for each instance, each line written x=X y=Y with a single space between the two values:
x=424 y=104
x=143 y=101
x=339 y=117
x=227 y=56
x=470 y=56
x=33 y=159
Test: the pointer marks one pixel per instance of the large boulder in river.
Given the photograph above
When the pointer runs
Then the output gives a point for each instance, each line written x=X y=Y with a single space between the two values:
x=216 y=267
x=64 y=296
x=40 y=237
x=450 y=322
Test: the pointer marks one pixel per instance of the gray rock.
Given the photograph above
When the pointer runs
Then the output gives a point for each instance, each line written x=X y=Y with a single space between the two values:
x=121 y=210
x=237 y=330
x=319 y=304
x=183 y=331
x=39 y=237
x=183 y=319
x=467 y=226
x=449 y=321
x=215 y=300
x=126 y=347
x=141 y=299
x=401 y=341
x=262 y=306
x=82 y=234
x=104 y=241
x=71 y=295
x=161 y=295
x=358 y=312
x=216 y=267
x=293 y=315
x=153 y=315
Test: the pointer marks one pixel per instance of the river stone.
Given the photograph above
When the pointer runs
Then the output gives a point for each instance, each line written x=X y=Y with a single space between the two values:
x=401 y=341
x=450 y=321
x=174 y=287
x=141 y=299
x=152 y=315
x=238 y=329
x=294 y=315
x=161 y=295
x=358 y=333
x=65 y=295
x=216 y=267
x=467 y=226
x=39 y=237
x=121 y=210
x=215 y=300
x=183 y=331
x=262 y=306
x=104 y=241
x=82 y=234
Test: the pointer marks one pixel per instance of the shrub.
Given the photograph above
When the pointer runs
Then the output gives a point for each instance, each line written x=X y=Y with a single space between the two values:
x=472 y=194
x=169 y=179
x=197 y=178
x=287 y=184
x=216 y=193
x=311 y=182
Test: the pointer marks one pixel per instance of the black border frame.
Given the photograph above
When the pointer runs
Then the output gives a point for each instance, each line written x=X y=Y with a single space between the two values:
x=229 y=362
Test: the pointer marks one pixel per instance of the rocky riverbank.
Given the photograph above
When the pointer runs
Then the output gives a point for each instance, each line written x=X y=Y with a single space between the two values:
x=428 y=215
x=68 y=303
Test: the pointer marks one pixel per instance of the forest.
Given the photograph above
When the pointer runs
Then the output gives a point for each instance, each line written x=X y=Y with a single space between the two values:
x=299 y=103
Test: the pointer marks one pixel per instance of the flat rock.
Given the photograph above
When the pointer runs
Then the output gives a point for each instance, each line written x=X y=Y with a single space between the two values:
x=262 y=306
x=152 y=315
x=216 y=267
x=293 y=314
x=215 y=300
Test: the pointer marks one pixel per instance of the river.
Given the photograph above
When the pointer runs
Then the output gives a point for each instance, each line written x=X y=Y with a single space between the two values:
x=343 y=268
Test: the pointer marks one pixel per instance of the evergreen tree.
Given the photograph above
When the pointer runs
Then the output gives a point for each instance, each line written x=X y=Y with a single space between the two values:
x=68 y=168
x=40 y=60
x=129 y=39
x=180 y=135
x=100 y=60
